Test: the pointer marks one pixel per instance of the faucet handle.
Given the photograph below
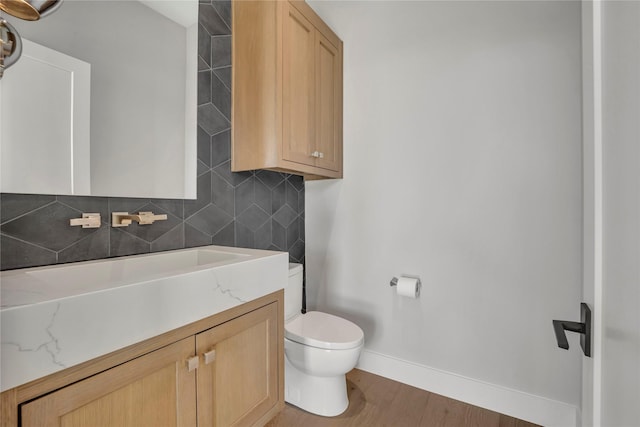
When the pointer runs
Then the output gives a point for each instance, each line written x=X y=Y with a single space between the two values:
x=88 y=220
x=150 y=218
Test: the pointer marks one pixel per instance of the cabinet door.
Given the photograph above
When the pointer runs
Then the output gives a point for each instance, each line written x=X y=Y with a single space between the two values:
x=298 y=87
x=328 y=104
x=238 y=379
x=153 y=390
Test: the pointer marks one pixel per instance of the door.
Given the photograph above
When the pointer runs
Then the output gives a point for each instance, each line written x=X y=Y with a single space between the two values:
x=44 y=126
x=328 y=142
x=298 y=87
x=611 y=378
x=238 y=373
x=153 y=390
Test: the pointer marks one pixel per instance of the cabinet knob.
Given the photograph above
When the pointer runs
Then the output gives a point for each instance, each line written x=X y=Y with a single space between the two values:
x=193 y=363
x=317 y=155
x=209 y=356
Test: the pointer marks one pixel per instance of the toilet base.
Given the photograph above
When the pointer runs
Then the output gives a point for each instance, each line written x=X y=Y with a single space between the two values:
x=325 y=396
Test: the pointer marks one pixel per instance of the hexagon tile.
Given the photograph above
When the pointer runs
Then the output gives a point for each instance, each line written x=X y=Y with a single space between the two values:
x=257 y=209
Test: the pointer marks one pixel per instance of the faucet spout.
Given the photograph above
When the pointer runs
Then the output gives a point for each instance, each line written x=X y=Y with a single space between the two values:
x=124 y=219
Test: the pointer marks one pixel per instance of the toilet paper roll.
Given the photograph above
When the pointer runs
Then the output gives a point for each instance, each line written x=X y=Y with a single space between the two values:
x=408 y=287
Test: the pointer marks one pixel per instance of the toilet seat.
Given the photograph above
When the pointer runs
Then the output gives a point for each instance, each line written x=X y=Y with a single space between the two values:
x=322 y=330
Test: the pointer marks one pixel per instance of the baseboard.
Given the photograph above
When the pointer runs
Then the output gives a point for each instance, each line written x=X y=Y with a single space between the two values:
x=517 y=404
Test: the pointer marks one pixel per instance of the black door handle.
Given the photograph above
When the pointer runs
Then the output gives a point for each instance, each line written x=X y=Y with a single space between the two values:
x=583 y=328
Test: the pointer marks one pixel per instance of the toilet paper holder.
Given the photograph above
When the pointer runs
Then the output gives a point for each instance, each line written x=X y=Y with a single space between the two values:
x=394 y=281
x=413 y=291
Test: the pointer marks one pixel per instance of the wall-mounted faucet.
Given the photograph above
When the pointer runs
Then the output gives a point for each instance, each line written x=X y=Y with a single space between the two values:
x=88 y=220
x=124 y=219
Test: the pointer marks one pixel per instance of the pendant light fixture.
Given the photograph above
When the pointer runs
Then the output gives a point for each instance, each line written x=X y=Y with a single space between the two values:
x=29 y=10
x=10 y=45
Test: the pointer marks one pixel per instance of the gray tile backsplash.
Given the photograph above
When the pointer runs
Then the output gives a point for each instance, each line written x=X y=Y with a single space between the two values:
x=260 y=209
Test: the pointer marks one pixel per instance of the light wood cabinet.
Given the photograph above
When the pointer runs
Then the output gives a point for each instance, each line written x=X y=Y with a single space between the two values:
x=228 y=370
x=287 y=90
x=237 y=382
x=153 y=390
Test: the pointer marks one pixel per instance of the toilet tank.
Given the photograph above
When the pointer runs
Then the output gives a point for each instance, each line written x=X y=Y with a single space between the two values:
x=293 y=291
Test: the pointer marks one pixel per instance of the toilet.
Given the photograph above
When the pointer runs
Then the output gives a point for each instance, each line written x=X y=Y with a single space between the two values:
x=319 y=350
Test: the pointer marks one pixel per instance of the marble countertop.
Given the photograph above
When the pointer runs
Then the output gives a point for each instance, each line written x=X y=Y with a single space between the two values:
x=55 y=317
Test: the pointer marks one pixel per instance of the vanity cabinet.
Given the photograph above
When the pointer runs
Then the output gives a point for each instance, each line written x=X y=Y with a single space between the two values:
x=287 y=90
x=156 y=389
x=227 y=371
x=237 y=378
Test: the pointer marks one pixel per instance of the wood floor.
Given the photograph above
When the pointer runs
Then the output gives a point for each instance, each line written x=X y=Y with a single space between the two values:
x=375 y=401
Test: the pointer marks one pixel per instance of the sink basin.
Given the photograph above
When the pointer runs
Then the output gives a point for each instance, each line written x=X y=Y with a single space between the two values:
x=55 y=317
x=135 y=267
x=21 y=287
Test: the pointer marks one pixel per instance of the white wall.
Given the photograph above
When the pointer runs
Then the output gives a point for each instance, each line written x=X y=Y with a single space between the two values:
x=621 y=167
x=462 y=165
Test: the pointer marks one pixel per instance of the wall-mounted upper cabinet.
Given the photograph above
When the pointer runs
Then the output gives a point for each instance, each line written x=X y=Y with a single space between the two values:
x=287 y=90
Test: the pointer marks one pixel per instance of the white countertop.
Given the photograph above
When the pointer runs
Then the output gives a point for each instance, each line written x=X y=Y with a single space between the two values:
x=55 y=317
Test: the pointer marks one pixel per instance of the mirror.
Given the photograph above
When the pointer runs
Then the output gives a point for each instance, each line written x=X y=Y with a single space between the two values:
x=138 y=139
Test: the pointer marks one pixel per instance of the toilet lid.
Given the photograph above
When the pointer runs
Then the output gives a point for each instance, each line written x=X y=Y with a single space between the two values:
x=322 y=330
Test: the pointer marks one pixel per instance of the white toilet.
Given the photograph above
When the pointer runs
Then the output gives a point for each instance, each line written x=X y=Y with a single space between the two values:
x=319 y=350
